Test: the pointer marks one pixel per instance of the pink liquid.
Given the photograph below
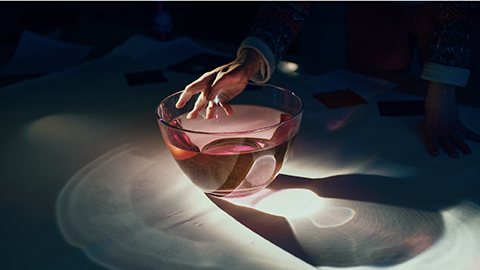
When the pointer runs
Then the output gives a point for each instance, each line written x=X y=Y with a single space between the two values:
x=233 y=166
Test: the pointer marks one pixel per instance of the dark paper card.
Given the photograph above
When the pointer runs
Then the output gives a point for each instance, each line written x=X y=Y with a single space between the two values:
x=253 y=87
x=200 y=63
x=340 y=98
x=401 y=108
x=145 y=77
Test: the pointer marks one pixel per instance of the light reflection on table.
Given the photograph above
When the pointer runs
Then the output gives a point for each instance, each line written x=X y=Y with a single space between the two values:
x=133 y=207
x=359 y=192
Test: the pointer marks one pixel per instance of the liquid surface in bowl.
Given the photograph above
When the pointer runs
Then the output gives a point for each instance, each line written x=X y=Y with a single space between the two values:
x=238 y=165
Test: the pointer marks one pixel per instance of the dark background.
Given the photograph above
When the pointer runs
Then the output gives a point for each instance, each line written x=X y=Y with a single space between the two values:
x=322 y=44
x=107 y=24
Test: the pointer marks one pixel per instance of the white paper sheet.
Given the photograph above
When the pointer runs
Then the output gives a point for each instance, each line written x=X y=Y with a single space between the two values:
x=36 y=54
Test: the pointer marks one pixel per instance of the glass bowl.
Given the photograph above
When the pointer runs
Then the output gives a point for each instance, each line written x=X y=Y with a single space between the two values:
x=233 y=155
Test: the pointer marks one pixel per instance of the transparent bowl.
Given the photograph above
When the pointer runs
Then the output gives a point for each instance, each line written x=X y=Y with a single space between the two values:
x=235 y=155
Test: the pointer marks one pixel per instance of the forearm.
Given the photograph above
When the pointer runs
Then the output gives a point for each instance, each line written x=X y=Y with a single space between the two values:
x=440 y=94
x=251 y=59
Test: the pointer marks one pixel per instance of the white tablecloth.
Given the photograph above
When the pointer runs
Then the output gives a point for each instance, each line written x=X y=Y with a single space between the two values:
x=85 y=171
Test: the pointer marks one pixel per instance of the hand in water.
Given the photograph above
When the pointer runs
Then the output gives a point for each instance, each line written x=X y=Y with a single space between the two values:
x=219 y=86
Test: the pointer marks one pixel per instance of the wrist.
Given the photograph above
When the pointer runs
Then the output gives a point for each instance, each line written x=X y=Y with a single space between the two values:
x=440 y=96
x=441 y=91
x=251 y=60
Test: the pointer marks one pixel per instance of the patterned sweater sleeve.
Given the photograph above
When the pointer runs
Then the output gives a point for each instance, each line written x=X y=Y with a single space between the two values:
x=450 y=52
x=275 y=28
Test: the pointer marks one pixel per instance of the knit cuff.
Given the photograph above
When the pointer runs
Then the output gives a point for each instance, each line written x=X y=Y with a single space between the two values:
x=267 y=58
x=445 y=74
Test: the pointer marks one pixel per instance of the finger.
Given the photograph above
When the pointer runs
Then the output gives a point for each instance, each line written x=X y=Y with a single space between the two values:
x=223 y=99
x=184 y=97
x=225 y=81
x=210 y=112
x=432 y=145
x=448 y=146
x=470 y=134
x=189 y=91
x=199 y=105
x=200 y=85
x=226 y=107
x=213 y=86
x=214 y=89
x=460 y=144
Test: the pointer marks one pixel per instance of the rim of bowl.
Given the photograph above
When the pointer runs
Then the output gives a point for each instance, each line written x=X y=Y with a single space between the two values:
x=233 y=132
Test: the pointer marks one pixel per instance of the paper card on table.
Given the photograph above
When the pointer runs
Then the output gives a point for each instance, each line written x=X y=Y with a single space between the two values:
x=145 y=77
x=401 y=107
x=37 y=54
x=363 y=85
x=340 y=98
x=159 y=52
x=200 y=63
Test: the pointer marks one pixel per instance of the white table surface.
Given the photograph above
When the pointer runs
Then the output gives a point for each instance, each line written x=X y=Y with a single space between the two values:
x=86 y=181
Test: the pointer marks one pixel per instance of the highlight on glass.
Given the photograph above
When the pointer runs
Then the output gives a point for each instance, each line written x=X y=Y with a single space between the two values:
x=233 y=155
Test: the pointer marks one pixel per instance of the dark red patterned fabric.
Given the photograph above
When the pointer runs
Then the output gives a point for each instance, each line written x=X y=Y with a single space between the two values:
x=278 y=24
x=452 y=35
